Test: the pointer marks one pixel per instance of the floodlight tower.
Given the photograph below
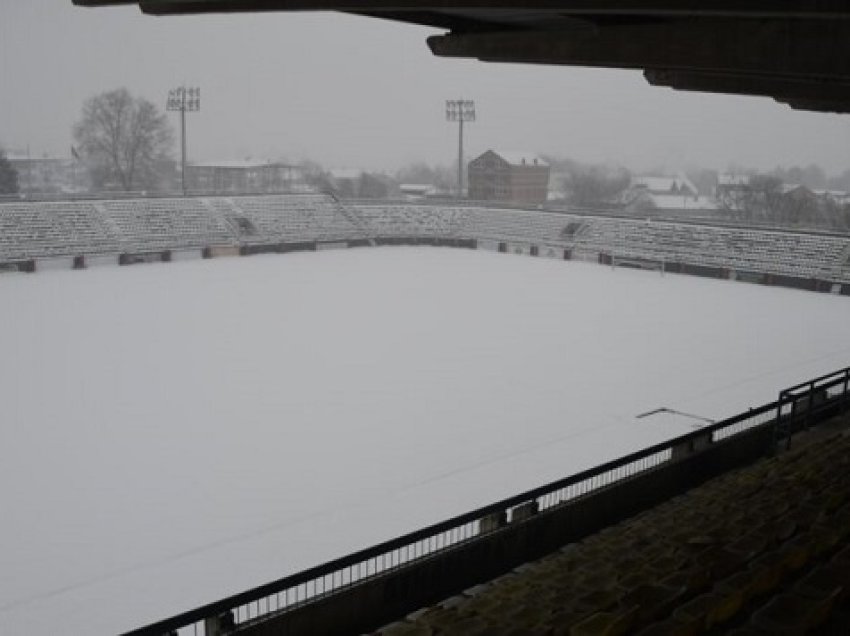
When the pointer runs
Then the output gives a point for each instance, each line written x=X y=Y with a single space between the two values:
x=460 y=110
x=183 y=100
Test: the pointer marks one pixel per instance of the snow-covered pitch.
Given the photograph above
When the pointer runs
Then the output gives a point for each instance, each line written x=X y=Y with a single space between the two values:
x=172 y=434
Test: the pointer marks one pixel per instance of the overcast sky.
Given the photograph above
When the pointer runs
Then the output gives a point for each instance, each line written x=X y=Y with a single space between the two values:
x=359 y=92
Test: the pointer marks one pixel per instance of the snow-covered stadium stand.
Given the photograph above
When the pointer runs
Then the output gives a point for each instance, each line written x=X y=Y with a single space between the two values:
x=510 y=225
x=785 y=253
x=162 y=224
x=400 y=220
x=771 y=252
x=288 y=218
x=38 y=230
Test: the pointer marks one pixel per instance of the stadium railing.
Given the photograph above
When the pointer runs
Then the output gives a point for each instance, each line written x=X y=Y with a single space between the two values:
x=760 y=431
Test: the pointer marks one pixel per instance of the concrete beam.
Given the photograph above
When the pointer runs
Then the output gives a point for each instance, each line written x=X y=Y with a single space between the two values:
x=779 y=88
x=796 y=51
x=826 y=9
x=782 y=48
x=819 y=105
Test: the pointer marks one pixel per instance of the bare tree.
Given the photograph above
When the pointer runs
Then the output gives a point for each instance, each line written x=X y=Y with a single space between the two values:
x=442 y=176
x=123 y=139
x=766 y=198
x=758 y=197
x=595 y=185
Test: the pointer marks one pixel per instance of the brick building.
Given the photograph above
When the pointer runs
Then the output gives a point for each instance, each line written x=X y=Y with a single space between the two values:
x=514 y=177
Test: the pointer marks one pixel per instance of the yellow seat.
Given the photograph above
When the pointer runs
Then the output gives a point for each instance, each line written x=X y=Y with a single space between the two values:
x=824 y=539
x=612 y=623
x=702 y=610
x=653 y=601
x=793 y=613
x=730 y=600
x=694 y=580
x=769 y=572
x=796 y=552
x=720 y=562
x=742 y=582
x=597 y=600
x=483 y=604
x=438 y=617
x=469 y=626
x=406 y=629
x=824 y=581
x=749 y=546
x=672 y=627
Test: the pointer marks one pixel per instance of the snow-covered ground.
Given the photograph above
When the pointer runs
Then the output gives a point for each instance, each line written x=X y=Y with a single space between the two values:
x=175 y=433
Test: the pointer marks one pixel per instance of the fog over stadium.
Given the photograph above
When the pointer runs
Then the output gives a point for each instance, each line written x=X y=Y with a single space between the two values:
x=416 y=346
x=365 y=93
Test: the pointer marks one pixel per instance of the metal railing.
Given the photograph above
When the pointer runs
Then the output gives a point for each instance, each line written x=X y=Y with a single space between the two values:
x=796 y=407
x=803 y=402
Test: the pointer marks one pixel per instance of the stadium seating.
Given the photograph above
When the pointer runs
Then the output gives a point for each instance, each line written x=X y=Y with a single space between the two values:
x=160 y=224
x=765 y=549
x=518 y=225
x=792 y=254
x=33 y=230
x=290 y=218
x=414 y=221
x=52 y=229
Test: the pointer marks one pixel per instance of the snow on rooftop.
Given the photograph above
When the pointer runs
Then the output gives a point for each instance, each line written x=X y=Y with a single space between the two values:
x=234 y=163
x=682 y=202
x=345 y=173
x=838 y=195
x=664 y=184
x=172 y=434
x=417 y=188
x=519 y=158
x=730 y=179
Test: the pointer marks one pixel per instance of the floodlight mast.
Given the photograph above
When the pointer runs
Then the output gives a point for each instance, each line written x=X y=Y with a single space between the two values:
x=183 y=99
x=460 y=110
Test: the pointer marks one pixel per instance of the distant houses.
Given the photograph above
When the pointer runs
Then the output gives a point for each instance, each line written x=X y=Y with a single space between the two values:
x=673 y=195
x=48 y=174
x=765 y=198
x=417 y=191
x=732 y=191
x=354 y=183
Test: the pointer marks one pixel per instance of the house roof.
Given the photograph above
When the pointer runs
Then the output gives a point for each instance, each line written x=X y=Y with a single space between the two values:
x=729 y=179
x=663 y=184
x=682 y=202
x=233 y=163
x=835 y=194
x=520 y=158
x=785 y=188
x=345 y=173
x=417 y=187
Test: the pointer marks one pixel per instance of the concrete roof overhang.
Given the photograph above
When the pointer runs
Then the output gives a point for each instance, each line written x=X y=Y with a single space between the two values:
x=794 y=51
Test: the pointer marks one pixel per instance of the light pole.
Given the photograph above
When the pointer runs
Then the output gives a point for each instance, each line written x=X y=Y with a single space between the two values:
x=460 y=110
x=183 y=99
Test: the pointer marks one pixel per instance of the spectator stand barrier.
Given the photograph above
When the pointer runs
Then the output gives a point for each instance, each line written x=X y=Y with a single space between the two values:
x=803 y=404
x=362 y=584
